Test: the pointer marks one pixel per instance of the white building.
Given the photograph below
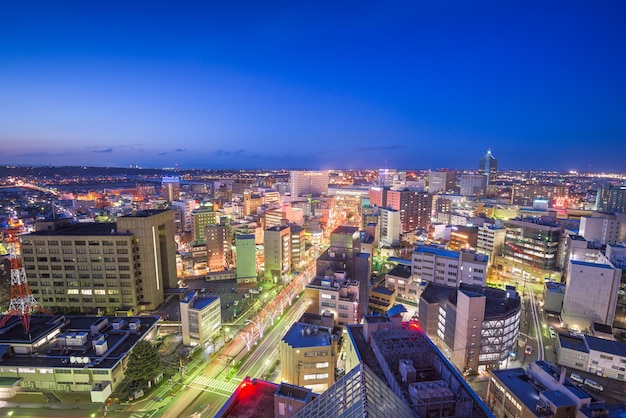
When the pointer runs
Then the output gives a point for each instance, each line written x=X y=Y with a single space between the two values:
x=591 y=293
x=389 y=227
x=200 y=318
x=449 y=268
x=334 y=296
x=604 y=228
x=490 y=240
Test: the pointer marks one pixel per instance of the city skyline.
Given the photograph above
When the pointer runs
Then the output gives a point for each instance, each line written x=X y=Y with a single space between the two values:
x=343 y=86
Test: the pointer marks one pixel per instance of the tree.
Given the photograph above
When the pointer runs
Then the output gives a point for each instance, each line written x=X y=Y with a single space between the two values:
x=144 y=363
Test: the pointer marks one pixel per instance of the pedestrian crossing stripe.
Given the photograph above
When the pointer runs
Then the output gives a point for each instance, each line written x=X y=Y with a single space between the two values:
x=214 y=383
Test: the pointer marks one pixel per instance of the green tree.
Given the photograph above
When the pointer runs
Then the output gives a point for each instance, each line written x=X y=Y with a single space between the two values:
x=144 y=362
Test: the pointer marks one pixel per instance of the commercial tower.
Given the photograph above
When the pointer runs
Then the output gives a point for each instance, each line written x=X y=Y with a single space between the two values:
x=488 y=165
x=313 y=183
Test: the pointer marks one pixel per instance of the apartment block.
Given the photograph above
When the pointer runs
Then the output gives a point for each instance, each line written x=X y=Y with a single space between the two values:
x=447 y=267
x=200 y=318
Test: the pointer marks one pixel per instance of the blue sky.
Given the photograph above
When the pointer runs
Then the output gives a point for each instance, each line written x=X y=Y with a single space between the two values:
x=313 y=84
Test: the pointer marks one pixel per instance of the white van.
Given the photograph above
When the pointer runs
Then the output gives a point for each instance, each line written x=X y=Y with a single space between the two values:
x=594 y=385
x=576 y=378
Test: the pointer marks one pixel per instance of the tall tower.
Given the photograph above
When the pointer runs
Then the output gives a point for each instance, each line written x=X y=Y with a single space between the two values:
x=23 y=303
x=488 y=165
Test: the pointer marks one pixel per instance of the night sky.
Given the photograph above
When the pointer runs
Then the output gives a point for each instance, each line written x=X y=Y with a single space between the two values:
x=324 y=84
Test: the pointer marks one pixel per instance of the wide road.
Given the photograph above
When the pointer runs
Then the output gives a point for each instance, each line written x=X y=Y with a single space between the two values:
x=210 y=400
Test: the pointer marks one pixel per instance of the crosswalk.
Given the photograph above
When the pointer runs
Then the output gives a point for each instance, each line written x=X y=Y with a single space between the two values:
x=215 y=384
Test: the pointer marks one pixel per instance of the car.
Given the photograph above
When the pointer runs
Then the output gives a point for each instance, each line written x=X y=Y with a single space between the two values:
x=576 y=378
x=211 y=289
x=552 y=332
x=236 y=303
x=233 y=290
x=528 y=350
x=594 y=385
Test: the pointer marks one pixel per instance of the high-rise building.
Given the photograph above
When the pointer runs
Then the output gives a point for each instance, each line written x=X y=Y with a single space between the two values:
x=313 y=183
x=441 y=181
x=218 y=239
x=531 y=249
x=200 y=219
x=478 y=325
x=245 y=251
x=591 y=292
x=277 y=249
x=103 y=267
x=490 y=240
x=414 y=207
x=488 y=165
x=344 y=256
x=170 y=188
x=298 y=241
x=335 y=297
x=611 y=198
x=389 y=221
x=473 y=185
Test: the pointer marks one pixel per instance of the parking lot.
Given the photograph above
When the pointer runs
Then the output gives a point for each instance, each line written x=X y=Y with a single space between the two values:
x=234 y=300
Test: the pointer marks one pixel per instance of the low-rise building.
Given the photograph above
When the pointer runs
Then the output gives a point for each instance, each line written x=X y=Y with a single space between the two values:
x=200 y=318
x=308 y=352
x=71 y=353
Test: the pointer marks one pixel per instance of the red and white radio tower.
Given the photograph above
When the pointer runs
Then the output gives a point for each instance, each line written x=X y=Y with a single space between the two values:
x=23 y=303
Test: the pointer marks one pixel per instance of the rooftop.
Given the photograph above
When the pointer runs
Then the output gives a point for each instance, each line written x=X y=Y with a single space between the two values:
x=428 y=249
x=145 y=213
x=401 y=270
x=252 y=399
x=82 y=331
x=588 y=264
x=302 y=335
x=199 y=301
x=82 y=229
x=607 y=346
x=572 y=342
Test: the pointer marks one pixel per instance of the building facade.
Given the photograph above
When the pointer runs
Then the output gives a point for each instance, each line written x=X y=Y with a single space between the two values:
x=200 y=319
x=447 y=267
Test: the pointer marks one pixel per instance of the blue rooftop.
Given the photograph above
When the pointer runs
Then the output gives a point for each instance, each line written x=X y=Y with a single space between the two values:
x=200 y=302
x=585 y=263
x=606 y=346
x=437 y=251
x=304 y=335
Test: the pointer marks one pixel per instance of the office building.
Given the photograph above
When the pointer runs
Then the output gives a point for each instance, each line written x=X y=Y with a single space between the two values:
x=531 y=249
x=378 y=196
x=441 y=181
x=447 y=267
x=393 y=369
x=599 y=356
x=591 y=293
x=474 y=185
x=334 y=296
x=478 y=325
x=102 y=267
x=611 y=198
x=200 y=219
x=488 y=166
x=251 y=203
x=298 y=242
x=344 y=256
x=463 y=237
x=308 y=353
x=61 y=353
x=200 y=318
x=245 y=255
x=414 y=207
x=389 y=221
x=218 y=239
x=170 y=188
x=277 y=250
x=314 y=183
x=525 y=194
x=604 y=228
x=490 y=240
x=382 y=299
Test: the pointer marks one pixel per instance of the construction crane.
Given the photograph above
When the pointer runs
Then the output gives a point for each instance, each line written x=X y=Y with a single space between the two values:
x=23 y=303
